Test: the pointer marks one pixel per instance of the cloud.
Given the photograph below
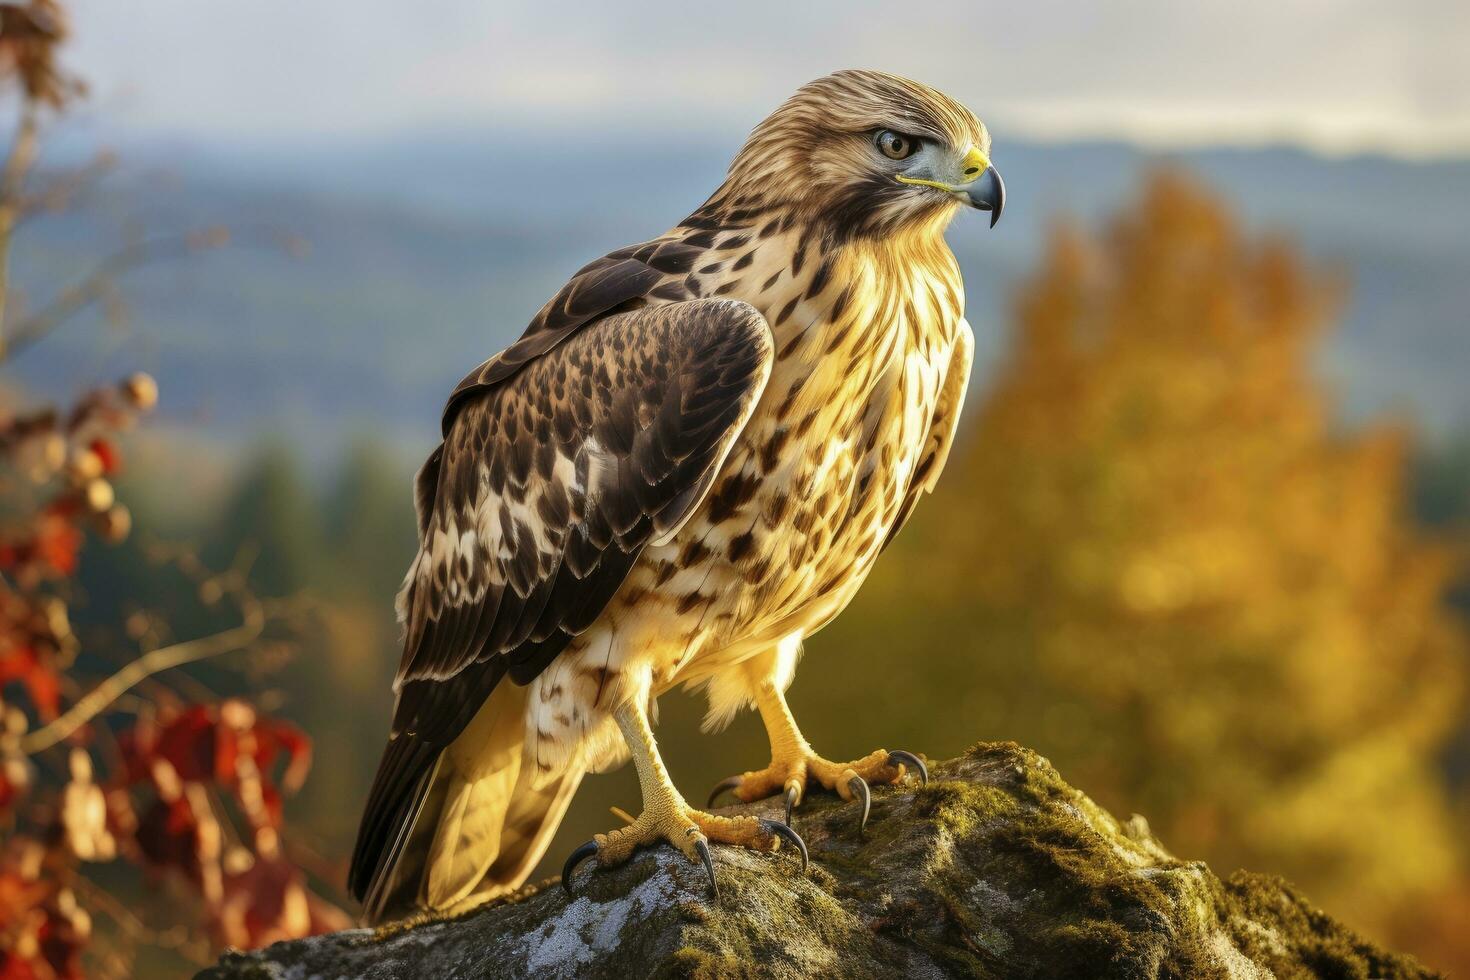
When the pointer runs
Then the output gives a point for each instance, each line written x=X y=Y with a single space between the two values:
x=1350 y=74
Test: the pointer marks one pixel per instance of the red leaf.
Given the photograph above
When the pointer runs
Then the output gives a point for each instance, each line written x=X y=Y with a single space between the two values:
x=25 y=666
x=12 y=967
x=188 y=743
x=275 y=737
x=108 y=453
x=166 y=836
x=57 y=543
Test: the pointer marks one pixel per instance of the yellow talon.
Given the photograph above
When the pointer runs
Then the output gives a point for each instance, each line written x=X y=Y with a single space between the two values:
x=666 y=817
x=794 y=764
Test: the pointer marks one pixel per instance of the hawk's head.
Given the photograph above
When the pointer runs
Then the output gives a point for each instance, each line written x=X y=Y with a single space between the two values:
x=869 y=152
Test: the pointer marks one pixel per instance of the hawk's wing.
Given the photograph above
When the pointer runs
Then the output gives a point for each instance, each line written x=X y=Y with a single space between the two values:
x=629 y=275
x=941 y=427
x=550 y=481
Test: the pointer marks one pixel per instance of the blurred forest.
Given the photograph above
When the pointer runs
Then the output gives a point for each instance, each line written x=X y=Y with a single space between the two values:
x=1158 y=557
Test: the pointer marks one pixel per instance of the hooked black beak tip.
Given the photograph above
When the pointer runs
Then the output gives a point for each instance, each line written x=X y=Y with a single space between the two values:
x=988 y=193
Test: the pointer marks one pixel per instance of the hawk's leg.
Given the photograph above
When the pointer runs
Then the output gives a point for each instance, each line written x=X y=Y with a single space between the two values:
x=794 y=764
x=667 y=817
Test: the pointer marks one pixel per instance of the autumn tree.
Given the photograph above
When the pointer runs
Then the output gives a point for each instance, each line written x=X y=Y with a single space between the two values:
x=1156 y=558
x=108 y=755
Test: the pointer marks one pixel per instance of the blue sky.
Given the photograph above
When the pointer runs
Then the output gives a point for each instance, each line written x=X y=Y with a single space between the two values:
x=1335 y=75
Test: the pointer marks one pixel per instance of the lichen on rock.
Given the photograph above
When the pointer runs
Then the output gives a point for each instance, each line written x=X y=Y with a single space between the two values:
x=997 y=868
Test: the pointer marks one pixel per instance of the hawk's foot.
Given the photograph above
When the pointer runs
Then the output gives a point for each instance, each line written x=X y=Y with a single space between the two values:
x=791 y=773
x=689 y=830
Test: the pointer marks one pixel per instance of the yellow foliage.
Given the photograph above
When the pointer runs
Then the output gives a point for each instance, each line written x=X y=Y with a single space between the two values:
x=1155 y=558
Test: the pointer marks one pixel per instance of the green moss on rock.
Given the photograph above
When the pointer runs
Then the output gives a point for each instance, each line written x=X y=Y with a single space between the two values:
x=997 y=869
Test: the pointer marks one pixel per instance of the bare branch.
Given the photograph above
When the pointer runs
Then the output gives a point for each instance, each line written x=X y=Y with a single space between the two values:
x=17 y=165
x=253 y=621
x=62 y=188
x=90 y=289
x=179 y=939
x=94 y=287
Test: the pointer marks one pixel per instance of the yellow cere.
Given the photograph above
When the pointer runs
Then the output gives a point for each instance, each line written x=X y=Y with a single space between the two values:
x=974 y=161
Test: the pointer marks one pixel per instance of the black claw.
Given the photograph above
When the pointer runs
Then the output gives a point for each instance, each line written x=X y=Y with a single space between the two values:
x=702 y=847
x=860 y=788
x=581 y=854
x=720 y=787
x=912 y=761
x=792 y=792
x=785 y=832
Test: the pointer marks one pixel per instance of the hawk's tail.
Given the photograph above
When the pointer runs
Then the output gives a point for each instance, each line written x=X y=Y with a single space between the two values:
x=472 y=828
x=400 y=790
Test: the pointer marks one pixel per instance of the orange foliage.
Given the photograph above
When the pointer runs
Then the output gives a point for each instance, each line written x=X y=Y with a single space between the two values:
x=1160 y=563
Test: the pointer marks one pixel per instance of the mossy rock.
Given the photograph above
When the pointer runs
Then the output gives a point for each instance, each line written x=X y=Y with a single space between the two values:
x=997 y=868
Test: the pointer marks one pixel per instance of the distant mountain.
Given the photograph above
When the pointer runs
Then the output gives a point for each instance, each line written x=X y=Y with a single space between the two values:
x=431 y=251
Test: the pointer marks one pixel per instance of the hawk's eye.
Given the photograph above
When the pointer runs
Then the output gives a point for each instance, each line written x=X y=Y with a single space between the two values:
x=896 y=146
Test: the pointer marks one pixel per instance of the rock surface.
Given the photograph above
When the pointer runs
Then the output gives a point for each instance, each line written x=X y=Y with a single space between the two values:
x=996 y=869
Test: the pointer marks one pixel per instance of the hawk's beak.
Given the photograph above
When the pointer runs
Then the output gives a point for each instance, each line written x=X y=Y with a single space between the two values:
x=978 y=183
x=988 y=193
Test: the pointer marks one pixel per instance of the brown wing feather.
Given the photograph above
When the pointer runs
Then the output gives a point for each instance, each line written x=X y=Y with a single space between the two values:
x=598 y=288
x=548 y=485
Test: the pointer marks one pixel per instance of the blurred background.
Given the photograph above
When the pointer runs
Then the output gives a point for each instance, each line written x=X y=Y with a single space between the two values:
x=1202 y=542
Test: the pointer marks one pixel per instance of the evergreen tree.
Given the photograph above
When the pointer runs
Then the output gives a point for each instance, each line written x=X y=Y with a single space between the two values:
x=371 y=529
x=272 y=517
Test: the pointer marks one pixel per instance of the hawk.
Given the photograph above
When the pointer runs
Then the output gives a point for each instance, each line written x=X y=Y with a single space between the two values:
x=687 y=464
